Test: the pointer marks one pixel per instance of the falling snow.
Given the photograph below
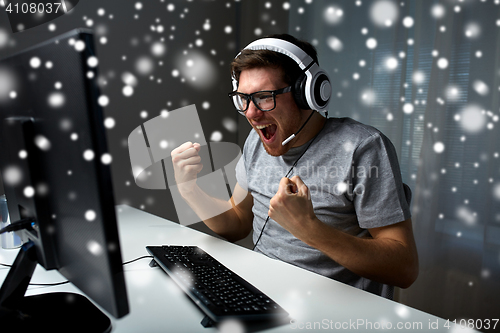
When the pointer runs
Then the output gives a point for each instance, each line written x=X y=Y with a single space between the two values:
x=56 y=100
x=216 y=136
x=128 y=91
x=371 y=43
x=29 y=191
x=109 y=123
x=480 y=87
x=106 y=159
x=79 y=46
x=439 y=147
x=384 y=13
x=408 y=108
x=90 y=215
x=335 y=44
x=391 y=63
x=333 y=15
x=42 y=142
x=163 y=57
x=129 y=79
x=35 y=62
x=418 y=77
x=92 y=61
x=12 y=175
x=88 y=155
x=442 y=63
x=144 y=65
x=472 y=119
x=408 y=22
x=103 y=100
x=95 y=248
x=438 y=11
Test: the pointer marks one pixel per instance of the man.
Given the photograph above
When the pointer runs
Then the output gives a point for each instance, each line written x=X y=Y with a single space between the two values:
x=343 y=213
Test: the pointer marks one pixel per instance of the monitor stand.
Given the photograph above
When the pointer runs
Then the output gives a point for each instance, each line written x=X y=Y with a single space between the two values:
x=50 y=312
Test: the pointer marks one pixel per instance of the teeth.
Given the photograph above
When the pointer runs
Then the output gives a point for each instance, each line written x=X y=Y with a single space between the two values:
x=262 y=126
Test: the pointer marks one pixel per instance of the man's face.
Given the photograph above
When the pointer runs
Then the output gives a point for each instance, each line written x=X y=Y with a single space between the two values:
x=276 y=125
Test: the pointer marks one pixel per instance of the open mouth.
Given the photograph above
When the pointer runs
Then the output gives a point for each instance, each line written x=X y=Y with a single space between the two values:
x=268 y=131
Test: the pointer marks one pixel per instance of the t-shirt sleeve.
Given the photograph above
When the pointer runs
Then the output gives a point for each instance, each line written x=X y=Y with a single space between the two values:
x=378 y=191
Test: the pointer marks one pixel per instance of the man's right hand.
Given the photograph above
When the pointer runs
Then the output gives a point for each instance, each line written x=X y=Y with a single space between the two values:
x=186 y=162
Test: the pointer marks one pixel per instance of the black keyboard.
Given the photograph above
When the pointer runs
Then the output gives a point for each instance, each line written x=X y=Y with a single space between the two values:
x=219 y=293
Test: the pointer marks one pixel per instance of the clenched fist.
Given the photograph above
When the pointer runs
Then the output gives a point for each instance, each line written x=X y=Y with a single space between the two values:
x=186 y=162
x=292 y=208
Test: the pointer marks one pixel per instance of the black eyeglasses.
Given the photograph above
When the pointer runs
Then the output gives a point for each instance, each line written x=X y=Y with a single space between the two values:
x=264 y=100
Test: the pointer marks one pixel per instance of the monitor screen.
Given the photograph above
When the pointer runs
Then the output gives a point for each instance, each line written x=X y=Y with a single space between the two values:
x=55 y=165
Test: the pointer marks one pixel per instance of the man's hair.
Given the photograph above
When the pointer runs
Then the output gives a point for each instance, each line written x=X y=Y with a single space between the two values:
x=249 y=59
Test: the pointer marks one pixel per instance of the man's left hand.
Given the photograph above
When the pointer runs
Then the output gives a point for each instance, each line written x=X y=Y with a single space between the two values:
x=292 y=208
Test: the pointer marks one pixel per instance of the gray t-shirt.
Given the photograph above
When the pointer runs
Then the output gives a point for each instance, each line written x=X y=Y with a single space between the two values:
x=354 y=179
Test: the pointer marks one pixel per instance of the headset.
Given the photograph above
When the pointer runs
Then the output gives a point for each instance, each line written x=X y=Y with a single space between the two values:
x=312 y=90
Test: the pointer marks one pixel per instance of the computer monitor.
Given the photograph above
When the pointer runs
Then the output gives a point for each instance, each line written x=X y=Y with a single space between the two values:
x=56 y=174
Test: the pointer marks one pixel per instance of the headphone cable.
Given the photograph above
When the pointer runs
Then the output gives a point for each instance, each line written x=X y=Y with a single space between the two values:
x=287 y=174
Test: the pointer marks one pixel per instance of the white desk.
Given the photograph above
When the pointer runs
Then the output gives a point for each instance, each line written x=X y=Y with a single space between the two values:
x=158 y=305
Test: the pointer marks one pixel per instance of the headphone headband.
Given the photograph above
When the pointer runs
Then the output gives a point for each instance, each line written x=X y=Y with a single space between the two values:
x=282 y=46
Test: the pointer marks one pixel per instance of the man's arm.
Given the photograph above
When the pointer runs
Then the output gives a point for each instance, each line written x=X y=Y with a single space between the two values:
x=230 y=219
x=389 y=257
x=225 y=218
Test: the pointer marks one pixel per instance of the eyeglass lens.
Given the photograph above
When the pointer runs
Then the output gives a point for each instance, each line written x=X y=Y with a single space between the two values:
x=263 y=100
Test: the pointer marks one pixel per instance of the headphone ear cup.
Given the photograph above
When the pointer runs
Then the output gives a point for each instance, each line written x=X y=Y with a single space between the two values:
x=299 y=92
x=322 y=90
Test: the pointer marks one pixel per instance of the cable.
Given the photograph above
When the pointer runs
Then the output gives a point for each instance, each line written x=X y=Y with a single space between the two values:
x=49 y=284
x=18 y=225
x=65 y=282
x=260 y=235
x=131 y=261
x=287 y=174
x=40 y=284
